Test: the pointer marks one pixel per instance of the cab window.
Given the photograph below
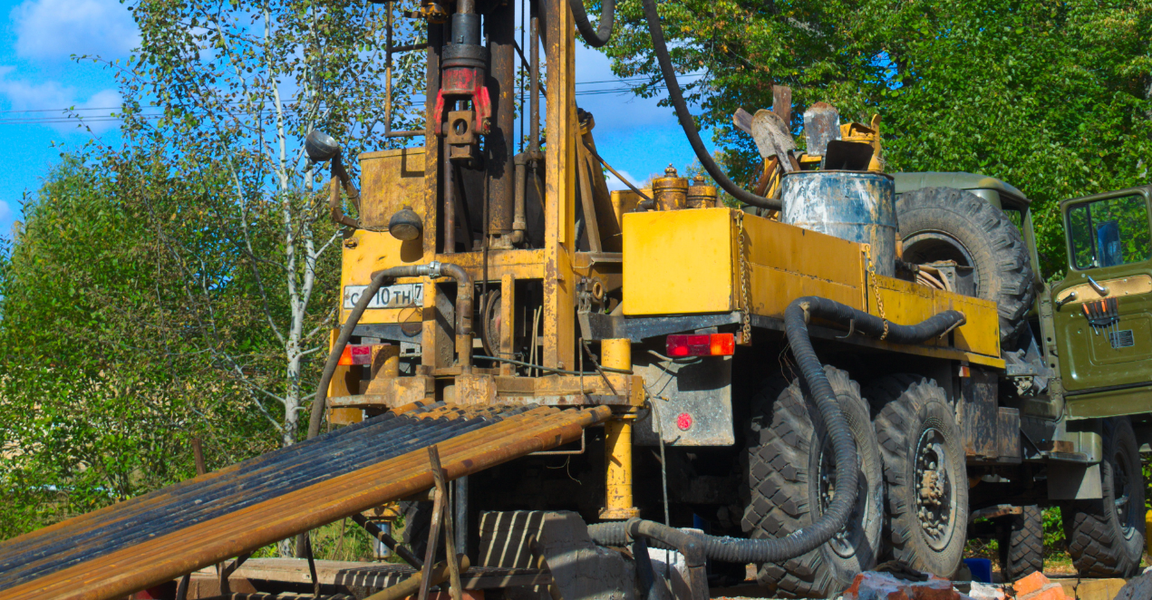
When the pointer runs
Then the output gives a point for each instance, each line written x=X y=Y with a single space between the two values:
x=1109 y=232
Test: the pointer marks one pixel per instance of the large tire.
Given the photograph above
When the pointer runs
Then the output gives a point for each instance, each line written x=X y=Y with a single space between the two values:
x=939 y=224
x=791 y=481
x=924 y=471
x=1022 y=546
x=1106 y=537
x=417 y=524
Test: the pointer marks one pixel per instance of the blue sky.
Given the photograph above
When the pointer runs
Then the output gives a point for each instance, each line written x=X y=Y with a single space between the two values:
x=40 y=82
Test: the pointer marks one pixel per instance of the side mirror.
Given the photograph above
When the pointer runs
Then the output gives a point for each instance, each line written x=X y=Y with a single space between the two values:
x=320 y=146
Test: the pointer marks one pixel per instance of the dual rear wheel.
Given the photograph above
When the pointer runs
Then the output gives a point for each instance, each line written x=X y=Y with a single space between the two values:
x=913 y=496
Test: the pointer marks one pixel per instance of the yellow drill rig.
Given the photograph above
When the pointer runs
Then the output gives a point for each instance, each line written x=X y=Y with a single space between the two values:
x=641 y=367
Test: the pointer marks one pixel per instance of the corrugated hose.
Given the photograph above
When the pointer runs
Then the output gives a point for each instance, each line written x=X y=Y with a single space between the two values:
x=796 y=317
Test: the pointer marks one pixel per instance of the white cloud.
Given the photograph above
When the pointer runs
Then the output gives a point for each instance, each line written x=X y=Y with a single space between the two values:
x=60 y=28
x=614 y=182
x=51 y=96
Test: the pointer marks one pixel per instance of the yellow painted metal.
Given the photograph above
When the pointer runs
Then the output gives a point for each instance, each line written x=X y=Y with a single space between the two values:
x=388 y=359
x=907 y=303
x=786 y=262
x=866 y=134
x=520 y=264
x=616 y=353
x=618 y=471
x=618 y=505
x=1148 y=531
x=366 y=252
x=684 y=262
x=559 y=338
x=679 y=262
x=391 y=179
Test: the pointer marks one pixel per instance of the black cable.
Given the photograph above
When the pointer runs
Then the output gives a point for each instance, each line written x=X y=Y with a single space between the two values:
x=686 y=121
x=598 y=37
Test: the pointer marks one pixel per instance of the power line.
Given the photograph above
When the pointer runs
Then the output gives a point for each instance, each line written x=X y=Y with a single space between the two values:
x=73 y=117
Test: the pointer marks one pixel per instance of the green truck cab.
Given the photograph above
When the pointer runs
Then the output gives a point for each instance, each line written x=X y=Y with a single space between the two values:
x=1078 y=356
x=1103 y=306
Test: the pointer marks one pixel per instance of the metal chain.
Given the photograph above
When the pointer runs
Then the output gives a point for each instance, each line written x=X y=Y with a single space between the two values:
x=745 y=293
x=879 y=301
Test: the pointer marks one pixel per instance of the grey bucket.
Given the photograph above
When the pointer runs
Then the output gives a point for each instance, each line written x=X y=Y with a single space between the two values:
x=858 y=206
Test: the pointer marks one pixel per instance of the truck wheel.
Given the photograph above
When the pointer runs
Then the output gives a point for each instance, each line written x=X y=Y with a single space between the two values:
x=791 y=480
x=925 y=473
x=1105 y=537
x=1022 y=545
x=946 y=224
x=417 y=525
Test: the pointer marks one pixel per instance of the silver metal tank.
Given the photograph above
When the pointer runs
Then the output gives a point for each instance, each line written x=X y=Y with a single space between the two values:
x=858 y=206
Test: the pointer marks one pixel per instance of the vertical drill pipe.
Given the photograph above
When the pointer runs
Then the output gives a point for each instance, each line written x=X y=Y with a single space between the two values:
x=534 y=82
x=449 y=187
x=500 y=25
x=617 y=354
x=519 y=223
x=521 y=84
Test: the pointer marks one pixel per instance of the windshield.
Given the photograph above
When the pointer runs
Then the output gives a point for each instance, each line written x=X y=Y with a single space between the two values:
x=1109 y=232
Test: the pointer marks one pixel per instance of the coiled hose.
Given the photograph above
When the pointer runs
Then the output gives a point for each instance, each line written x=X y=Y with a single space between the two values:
x=686 y=121
x=599 y=36
x=796 y=317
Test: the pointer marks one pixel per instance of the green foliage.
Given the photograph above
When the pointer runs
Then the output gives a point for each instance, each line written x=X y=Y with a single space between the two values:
x=1053 y=531
x=182 y=286
x=1051 y=97
x=103 y=381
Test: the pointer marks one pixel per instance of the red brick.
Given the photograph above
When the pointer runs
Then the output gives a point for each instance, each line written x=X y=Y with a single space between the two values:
x=1030 y=584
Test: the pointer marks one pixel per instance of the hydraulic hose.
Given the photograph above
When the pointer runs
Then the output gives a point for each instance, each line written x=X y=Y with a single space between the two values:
x=796 y=318
x=599 y=36
x=464 y=294
x=685 y=117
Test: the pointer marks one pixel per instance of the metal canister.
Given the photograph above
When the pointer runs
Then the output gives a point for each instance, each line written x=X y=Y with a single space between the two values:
x=853 y=205
x=670 y=191
x=700 y=194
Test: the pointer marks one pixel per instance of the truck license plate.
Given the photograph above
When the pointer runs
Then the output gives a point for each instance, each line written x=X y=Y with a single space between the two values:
x=401 y=295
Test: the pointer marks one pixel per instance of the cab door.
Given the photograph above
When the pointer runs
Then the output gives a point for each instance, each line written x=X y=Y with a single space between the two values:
x=1103 y=307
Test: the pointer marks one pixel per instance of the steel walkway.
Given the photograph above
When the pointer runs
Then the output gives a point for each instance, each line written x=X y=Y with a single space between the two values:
x=154 y=538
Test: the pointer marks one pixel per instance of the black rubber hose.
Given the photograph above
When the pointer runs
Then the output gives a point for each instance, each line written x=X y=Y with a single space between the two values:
x=796 y=318
x=378 y=281
x=599 y=36
x=686 y=121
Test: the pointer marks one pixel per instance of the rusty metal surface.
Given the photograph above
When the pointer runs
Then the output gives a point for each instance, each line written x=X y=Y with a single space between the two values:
x=156 y=537
x=821 y=125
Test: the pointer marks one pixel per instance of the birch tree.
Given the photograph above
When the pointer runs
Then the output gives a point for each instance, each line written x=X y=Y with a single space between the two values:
x=235 y=87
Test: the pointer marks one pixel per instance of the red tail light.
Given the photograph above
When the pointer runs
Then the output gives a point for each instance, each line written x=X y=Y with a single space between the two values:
x=356 y=355
x=705 y=344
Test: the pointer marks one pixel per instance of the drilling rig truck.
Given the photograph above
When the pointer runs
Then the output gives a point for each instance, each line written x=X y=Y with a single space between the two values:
x=852 y=367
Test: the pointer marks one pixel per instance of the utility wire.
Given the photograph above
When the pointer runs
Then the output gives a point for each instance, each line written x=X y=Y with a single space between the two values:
x=74 y=116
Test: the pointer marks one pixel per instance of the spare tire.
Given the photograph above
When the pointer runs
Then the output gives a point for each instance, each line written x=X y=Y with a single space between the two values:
x=947 y=224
